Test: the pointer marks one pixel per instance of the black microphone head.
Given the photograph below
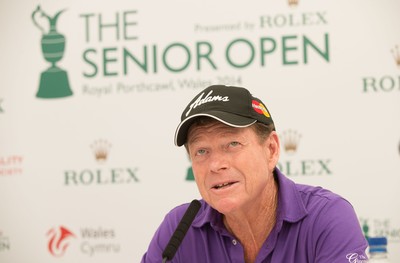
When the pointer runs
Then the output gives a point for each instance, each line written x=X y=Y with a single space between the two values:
x=181 y=230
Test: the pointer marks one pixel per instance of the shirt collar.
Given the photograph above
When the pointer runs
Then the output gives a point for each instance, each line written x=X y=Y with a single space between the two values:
x=290 y=203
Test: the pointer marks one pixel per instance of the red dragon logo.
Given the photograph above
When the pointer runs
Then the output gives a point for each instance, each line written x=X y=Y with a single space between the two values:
x=59 y=240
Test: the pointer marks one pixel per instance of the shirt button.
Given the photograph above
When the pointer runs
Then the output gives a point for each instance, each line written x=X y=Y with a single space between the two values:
x=234 y=242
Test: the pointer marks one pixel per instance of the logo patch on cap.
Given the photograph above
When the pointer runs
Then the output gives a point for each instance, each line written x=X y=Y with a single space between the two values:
x=260 y=108
x=200 y=100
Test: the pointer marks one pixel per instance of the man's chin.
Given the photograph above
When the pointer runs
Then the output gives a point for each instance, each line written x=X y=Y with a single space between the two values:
x=226 y=206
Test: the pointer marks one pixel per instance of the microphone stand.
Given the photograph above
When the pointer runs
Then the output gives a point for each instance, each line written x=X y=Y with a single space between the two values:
x=181 y=230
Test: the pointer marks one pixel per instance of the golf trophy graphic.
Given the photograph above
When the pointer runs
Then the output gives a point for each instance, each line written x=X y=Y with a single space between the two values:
x=54 y=80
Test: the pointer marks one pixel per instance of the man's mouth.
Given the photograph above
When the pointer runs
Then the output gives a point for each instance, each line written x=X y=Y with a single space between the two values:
x=224 y=185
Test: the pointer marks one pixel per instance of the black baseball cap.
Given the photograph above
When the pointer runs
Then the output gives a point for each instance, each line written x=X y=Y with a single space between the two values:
x=233 y=106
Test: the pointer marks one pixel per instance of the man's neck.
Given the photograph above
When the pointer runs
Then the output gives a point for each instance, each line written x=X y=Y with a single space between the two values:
x=252 y=228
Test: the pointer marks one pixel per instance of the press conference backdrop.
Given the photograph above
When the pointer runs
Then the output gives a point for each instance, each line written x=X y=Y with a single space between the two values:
x=91 y=93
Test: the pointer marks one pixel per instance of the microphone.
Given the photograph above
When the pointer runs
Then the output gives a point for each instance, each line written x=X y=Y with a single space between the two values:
x=181 y=230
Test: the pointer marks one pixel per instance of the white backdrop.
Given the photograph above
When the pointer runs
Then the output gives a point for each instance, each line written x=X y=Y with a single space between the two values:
x=88 y=176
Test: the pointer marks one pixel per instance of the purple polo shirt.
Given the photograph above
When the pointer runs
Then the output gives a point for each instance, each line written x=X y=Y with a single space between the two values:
x=313 y=225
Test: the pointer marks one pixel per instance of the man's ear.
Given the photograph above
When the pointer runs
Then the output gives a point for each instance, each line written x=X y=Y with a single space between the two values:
x=274 y=149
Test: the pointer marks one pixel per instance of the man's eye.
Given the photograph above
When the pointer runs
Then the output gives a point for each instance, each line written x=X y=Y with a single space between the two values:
x=201 y=152
x=234 y=144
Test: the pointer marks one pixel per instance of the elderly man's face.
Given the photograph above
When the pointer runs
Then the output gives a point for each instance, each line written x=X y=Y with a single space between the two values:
x=232 y=168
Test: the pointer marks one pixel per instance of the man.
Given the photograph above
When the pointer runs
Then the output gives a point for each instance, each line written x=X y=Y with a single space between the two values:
x=250 y=211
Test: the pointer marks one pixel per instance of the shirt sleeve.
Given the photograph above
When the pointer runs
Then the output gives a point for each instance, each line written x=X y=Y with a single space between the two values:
x=162 y=236
x=155 y=249
x=339 y=238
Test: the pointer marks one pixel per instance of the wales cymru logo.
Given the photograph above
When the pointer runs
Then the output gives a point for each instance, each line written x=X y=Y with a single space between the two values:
x=59 y=239
x=54 y=80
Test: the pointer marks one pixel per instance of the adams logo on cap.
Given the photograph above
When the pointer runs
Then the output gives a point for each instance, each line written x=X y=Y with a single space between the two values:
x=260 y=108
x=199 y=101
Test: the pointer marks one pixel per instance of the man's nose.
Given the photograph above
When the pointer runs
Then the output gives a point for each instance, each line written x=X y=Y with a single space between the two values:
x=219 y=161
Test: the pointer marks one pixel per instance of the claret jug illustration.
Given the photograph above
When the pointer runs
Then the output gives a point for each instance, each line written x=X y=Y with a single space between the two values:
x=54 y=80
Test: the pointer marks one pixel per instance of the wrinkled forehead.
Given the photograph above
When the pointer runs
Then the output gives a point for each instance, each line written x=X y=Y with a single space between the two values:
x=199 y=131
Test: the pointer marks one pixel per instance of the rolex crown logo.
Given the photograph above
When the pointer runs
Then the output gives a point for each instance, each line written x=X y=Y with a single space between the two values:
x=293 y=3
x=101 y=149
x=290 y=140
x=396 y=55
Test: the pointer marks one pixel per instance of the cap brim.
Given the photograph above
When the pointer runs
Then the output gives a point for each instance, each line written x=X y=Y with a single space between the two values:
x=229 y=119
